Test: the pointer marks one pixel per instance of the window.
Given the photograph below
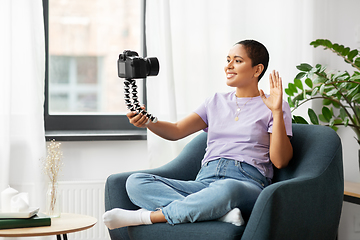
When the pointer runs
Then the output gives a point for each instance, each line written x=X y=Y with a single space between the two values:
x=84 y=98
x=75 y=84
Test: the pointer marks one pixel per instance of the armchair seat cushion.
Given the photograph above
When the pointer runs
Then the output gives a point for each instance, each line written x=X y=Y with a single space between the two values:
x=212 y=230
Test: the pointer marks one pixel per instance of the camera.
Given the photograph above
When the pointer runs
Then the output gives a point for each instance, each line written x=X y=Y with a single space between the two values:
x=131 y=66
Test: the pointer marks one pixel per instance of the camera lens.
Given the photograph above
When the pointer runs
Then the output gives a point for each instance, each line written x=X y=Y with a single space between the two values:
x=152 y=66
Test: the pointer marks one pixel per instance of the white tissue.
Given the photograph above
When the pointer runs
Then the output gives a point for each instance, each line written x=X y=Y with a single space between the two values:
x=20 y=202
x=6 y=196
x=13 y=201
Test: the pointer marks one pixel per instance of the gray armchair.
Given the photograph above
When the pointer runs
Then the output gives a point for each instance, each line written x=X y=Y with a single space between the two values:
x=304 y=201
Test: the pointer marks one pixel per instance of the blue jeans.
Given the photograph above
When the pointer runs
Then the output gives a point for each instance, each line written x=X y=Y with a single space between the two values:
x=219 y=187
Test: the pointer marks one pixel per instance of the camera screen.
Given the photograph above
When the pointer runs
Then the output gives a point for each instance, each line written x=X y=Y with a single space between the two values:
x=122 y=68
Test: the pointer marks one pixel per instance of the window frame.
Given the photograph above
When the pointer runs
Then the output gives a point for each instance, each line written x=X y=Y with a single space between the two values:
x=89 y=127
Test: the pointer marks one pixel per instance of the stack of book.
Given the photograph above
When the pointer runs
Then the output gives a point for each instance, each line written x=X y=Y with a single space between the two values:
x=37 y=220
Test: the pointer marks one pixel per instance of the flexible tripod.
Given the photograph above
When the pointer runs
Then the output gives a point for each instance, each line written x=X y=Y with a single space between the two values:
x=131 y=99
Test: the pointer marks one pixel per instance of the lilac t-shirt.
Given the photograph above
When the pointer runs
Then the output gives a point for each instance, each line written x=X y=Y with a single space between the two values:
x=246 y=140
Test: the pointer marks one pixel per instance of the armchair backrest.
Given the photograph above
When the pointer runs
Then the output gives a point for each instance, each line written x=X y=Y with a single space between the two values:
x=315 y=147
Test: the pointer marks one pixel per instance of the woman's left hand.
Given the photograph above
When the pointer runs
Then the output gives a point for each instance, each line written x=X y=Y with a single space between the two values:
x=274 y=101
x=280 y=150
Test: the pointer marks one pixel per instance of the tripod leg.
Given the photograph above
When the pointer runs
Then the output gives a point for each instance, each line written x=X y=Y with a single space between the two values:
x=131 y=99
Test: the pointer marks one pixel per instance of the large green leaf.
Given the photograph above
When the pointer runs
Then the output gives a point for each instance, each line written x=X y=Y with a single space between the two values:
x=298 y=84
x=352 y=54
x=322 y=88
x=315 y=43
x=292 y=87
x=305 y=67
x=314 y=91
x=299 y=97
x=327 y=102
x=299 y=119
x=336 y=47
x=346 y=51
x=313 y=117
x=321 y=42
x=300 y=75
x=338 y=121
x=327 y=43
x=357 y=62
x=322 y=118
x=309 y=82
x=289 y=92
x=335 y=104
x=340 y=49
x=326 y=113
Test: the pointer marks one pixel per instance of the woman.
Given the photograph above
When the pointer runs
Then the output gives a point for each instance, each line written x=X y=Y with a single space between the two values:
x=248 y=133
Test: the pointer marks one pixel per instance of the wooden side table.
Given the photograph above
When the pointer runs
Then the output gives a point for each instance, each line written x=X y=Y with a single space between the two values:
x=352 y=192
x=66 y=223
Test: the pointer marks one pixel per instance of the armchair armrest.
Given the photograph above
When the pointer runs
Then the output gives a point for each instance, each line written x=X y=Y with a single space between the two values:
x=299 y=208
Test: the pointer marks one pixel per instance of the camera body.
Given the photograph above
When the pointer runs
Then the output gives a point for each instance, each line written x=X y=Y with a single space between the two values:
x=131 y=66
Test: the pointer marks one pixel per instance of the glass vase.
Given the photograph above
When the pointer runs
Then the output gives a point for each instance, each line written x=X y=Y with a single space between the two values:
x=53 y=201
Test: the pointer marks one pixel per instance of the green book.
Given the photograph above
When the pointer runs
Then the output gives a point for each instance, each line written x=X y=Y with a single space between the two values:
x=39 y=220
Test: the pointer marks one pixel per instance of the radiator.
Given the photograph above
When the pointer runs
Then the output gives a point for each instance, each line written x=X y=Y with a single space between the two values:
x=85 y=198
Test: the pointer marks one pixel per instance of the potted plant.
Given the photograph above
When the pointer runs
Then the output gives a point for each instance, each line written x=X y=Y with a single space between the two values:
x=339 y=90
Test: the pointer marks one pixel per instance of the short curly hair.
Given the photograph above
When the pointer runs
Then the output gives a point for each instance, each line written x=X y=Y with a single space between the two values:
x=258 y=54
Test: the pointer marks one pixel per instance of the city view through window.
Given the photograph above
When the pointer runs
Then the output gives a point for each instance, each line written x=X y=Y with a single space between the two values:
x=85 y=40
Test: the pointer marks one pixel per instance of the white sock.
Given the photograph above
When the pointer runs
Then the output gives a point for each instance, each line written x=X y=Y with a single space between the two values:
x=234 y=217
x=117 y=218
